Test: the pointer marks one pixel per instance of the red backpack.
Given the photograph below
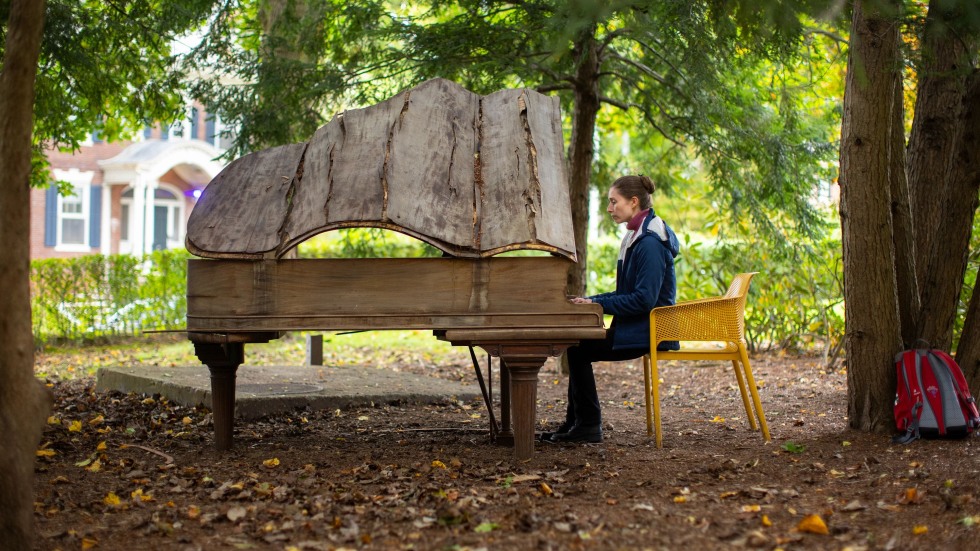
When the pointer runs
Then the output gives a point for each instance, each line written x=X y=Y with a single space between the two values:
x=932 y=399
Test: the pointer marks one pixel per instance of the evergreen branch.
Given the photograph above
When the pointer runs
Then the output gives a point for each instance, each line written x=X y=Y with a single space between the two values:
x=646 y=115
x=649 y=72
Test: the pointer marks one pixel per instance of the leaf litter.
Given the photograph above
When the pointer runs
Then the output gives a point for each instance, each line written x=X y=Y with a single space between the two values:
x=112 y=467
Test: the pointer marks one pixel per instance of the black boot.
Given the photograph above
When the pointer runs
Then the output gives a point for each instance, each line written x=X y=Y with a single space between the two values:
x=562 y=429
x=580 y=433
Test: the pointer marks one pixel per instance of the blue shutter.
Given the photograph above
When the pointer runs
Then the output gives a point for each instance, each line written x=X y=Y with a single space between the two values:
x=210 y=130
x=51 y=216
x=95 y=218
x=148 y=132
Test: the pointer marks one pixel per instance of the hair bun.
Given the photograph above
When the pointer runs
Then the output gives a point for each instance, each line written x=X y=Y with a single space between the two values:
x=647 y=183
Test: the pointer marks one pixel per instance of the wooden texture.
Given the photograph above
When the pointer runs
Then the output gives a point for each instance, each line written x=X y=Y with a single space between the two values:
x=513 y=294
x=471 y=175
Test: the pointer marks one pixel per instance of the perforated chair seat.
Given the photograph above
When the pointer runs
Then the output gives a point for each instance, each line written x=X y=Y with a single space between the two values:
x=717 y=319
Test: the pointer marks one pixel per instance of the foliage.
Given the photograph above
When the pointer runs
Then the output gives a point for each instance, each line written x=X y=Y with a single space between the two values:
x=795 y=303
x=106 y=67
x=721 y=81
x=99 y=296
x=365 y=243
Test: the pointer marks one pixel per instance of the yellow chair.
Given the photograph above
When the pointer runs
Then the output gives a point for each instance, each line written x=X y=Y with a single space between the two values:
x=708 y=319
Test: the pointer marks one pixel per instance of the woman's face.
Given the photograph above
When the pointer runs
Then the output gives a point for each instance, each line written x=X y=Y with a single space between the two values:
x=620 y=208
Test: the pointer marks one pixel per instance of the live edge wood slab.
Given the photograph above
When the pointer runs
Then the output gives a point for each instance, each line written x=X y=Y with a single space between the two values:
x=473 y=175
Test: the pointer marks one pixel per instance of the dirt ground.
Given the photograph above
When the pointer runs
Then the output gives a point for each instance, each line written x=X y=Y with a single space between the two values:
x=122 y=471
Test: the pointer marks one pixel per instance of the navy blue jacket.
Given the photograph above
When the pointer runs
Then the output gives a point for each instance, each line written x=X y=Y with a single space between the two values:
x=644 y=279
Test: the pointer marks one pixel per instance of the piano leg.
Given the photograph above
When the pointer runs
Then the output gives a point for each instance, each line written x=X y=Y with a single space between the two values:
x=523 y=372
x=223 y=361
x=506 y=435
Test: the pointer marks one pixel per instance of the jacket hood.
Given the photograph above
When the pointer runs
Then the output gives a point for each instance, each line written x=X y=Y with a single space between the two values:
x=656 y=226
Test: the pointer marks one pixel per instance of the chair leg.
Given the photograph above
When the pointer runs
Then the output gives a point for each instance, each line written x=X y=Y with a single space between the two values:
x=755 y=393
x=647 y=394
x=745 y=395
x=655 y=394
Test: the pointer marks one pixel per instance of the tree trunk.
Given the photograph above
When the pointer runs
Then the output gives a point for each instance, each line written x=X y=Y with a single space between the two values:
x=943 y=283
x=968 y=352
x=933 y=127
x=872 y=326
x=965 y=182
x=908 y=289
x=24 y=403
x=582 y=150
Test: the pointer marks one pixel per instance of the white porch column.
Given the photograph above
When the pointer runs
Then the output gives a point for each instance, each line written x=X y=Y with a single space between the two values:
x=106 y=222
x=137 y=224
x=150 y=222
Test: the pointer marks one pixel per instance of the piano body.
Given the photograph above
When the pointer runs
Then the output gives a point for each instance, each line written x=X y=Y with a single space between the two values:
x=472 y=175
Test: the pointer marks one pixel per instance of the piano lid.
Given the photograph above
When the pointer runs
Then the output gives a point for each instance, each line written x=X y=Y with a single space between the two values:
x=472 y=175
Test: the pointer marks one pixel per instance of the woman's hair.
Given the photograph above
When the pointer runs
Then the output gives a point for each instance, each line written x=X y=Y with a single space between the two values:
x=635 y=186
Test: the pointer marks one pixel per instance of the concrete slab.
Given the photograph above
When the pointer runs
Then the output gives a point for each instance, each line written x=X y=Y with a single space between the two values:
x=263 y=390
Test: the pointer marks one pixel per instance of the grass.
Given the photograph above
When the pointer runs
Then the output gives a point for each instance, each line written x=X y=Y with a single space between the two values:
x=381 y=348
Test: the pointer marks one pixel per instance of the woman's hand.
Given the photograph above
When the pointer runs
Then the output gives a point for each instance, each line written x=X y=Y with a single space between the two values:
x=581 y=300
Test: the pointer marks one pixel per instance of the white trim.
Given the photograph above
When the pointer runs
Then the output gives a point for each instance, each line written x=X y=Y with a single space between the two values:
x=81 y=183
x=154 y=158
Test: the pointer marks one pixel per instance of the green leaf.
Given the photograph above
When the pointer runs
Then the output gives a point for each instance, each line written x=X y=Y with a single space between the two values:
x=793 y=447
x=485 y=527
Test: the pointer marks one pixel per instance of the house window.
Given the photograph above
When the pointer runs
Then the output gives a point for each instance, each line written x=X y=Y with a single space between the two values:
x=124 y=220
x=72 y=218
x=72 y=223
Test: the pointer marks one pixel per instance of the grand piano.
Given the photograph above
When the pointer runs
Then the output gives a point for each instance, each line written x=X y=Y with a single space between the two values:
x=473 y=175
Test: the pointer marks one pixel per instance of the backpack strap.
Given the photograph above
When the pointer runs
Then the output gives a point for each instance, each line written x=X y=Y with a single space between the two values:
x=912 y=433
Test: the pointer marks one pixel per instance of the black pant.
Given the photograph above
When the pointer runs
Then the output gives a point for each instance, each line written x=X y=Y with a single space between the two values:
x=583 y=399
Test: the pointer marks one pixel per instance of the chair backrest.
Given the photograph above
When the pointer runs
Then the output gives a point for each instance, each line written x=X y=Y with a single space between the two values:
x=740 y=289
x=740 y=285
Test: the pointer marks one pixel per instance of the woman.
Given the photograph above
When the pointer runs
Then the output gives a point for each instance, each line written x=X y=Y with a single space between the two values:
x=644 y=280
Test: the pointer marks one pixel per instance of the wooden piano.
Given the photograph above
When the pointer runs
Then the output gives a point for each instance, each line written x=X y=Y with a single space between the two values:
x=472 y=175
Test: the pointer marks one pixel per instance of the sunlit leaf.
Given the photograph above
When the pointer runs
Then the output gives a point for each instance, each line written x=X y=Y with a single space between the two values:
x=813 y=524
x=436 y=464
x=112 y=500
x=484 y=527
x=75 y=426
x=271 y=463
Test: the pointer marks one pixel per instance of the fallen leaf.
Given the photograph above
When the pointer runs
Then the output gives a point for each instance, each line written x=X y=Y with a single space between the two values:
x=438 y=464
x=751 y=508
x=101 y=447
x=718 y=419
x=112 y=500
x=545 y=489
x=765 y=521
x=680 y=499
x=813 y=524
x=484 y=527
x=88 y=543
x=271 y=463
x=911 y=496
x=45 y=453
x=236 y=514
x=96 y=421
x=75 y=426
x=919 y=529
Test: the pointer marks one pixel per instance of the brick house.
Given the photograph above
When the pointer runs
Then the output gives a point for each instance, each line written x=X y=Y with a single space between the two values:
x=129 y=197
